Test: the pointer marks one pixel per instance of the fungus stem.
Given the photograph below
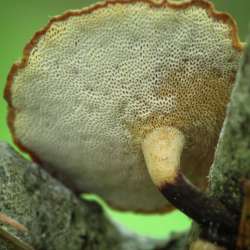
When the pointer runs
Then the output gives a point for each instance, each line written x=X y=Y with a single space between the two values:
x=162 y=149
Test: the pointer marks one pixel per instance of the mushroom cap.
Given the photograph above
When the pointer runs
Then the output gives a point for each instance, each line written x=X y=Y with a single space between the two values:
x=94 y=82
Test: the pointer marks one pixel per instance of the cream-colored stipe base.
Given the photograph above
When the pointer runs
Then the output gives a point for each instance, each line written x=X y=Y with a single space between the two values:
x=162 y=150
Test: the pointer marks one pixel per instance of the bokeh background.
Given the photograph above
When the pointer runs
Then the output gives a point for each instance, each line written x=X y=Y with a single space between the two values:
x=18 y=22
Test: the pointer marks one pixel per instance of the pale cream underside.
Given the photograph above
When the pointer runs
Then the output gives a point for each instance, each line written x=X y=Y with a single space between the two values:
x=90 y=79
x=162 y=149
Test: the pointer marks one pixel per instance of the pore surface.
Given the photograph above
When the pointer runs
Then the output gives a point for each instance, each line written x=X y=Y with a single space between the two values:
x=96 y=83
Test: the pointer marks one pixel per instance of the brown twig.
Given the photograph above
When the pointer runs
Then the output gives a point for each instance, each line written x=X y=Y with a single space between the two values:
x=243 y=241
x=19 y=244
x=9 y=221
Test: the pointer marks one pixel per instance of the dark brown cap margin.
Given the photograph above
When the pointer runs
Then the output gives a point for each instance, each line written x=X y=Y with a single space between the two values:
x=209 y=7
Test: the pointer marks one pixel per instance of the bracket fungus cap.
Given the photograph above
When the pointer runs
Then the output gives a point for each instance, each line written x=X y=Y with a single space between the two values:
x=94 y=82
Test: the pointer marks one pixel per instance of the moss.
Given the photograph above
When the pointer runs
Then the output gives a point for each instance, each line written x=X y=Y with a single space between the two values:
x=232 y=159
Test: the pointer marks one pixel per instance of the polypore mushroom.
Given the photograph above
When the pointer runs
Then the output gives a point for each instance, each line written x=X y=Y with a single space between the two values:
x=120 y=98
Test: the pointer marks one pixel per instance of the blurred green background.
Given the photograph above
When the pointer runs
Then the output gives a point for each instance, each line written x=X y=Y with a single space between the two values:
x=18 y=22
